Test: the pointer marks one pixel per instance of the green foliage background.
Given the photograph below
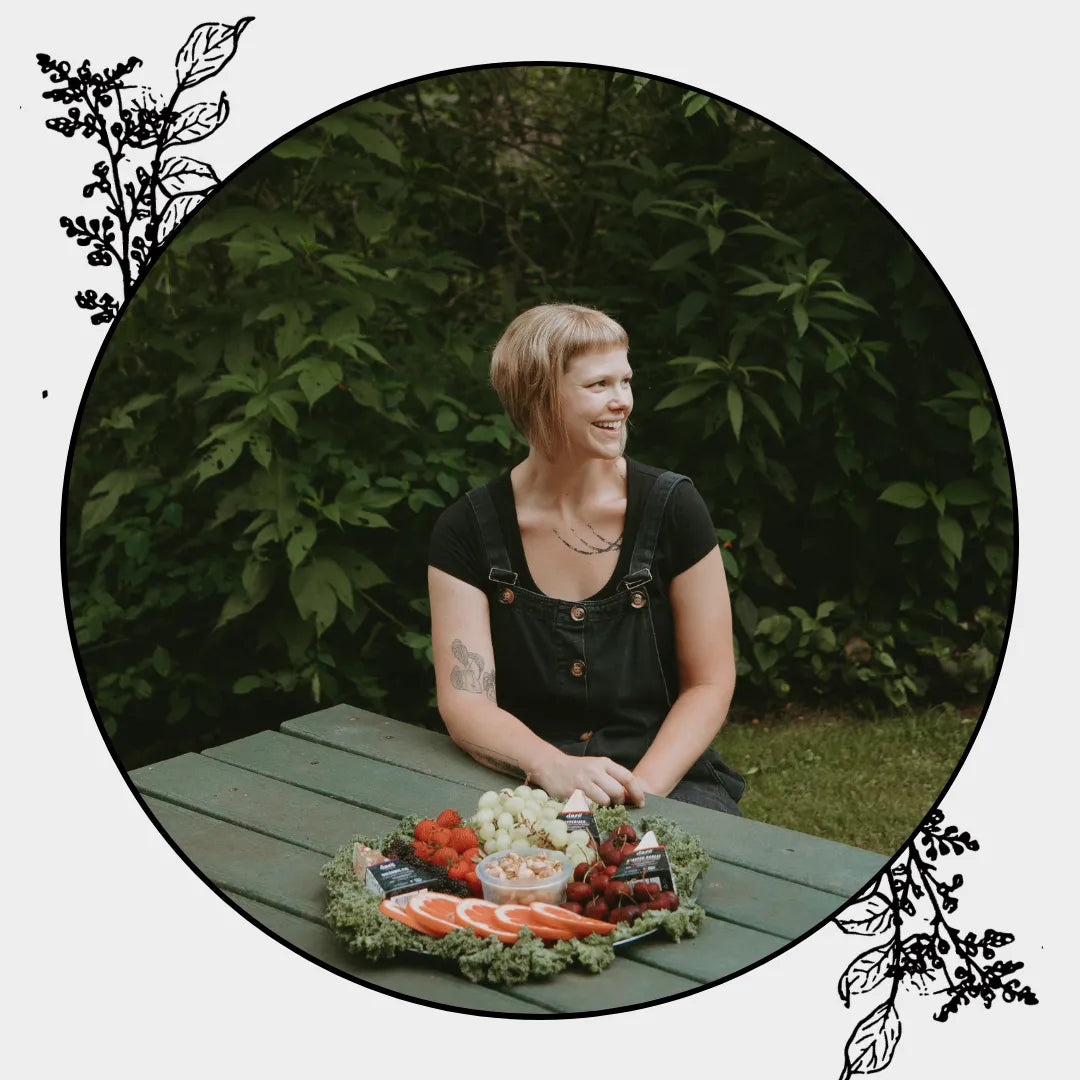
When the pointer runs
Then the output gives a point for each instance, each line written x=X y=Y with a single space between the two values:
x=300 y=386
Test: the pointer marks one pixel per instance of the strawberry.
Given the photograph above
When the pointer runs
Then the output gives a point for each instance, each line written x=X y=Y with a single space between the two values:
x=422 y=850
x=424 y=829
x=457 y=871
x=476 y=887
x=449 y=819
x=445 y=856
x=472 y=854
x=440 y=837
x=461 y=839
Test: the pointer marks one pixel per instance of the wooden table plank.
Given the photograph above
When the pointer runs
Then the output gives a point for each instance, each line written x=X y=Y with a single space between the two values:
x=393 y=741
x=794 y=856
x=624 y=983
x=375 y=785
x=256 y=802
x=760 y=902
x=245 y=862
x=416 y=979
x=720 y=949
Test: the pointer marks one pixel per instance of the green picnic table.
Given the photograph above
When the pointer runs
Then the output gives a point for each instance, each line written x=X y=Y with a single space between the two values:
x=260 y=816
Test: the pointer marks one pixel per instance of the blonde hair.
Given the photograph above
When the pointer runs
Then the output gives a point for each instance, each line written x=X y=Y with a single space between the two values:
x=532 y=356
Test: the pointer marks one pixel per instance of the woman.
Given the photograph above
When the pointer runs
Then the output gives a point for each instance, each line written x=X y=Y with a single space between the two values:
x=591 y=583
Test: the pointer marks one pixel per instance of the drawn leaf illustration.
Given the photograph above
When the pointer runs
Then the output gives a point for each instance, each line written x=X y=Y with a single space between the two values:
x=175 y=212
x=460 y=652
x=872 y=1043
x=874 y=915
x=865 y=972
x=209 y=47
x=197 y=121
x=186 y=176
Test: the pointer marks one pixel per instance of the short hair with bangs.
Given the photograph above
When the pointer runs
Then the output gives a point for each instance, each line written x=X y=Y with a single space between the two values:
x=532 y=356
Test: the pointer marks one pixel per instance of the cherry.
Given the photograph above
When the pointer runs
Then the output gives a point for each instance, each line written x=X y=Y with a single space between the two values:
x=614 y=893
x=572 y=906
x=624 y=832
x=581 y=871
x=626 y=913
x=644 y=891
x=579 y=891
x=596 y=909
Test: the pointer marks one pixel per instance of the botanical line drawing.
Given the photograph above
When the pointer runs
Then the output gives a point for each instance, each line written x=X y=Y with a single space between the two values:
x=148 y=185
x=906 y=908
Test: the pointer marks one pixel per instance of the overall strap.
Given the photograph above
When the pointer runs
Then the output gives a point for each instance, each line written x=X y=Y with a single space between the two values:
x=649 y=530
x=494 y=545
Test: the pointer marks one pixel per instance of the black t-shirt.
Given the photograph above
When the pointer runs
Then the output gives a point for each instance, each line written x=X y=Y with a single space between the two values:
x=686 y=536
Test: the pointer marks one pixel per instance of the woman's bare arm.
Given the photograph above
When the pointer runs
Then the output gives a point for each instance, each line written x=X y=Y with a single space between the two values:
x=466 y=688
x=701 y=609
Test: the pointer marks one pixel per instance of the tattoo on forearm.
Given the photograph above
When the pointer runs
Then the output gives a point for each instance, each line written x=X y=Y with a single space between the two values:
x=493 y=761
x=469 y=674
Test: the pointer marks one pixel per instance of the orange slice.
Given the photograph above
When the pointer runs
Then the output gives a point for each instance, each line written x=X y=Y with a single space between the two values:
x=514 y=916
x=401 y=915
x=582 y=926
x=479 y=916
x=434 y=912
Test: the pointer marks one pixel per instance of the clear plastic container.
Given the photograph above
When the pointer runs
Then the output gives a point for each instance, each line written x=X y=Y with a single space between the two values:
x=549 y=890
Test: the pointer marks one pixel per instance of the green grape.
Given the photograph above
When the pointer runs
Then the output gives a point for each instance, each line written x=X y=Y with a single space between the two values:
x=486 y=831
x=557 y=833
x=515 y=804
x=579 y=837
x=489 y=799
x=484 y=815
x=504 y=820
x=523 y=792
x=520 y=844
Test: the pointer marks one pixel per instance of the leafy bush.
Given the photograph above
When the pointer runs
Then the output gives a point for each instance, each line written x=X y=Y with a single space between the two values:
x=300 y=386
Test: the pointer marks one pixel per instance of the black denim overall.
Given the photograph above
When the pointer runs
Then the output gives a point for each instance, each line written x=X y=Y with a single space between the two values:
x=589 y=676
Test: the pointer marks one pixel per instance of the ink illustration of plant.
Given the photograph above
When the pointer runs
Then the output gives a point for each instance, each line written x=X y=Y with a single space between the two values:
x=907 y=908
x=148 y=183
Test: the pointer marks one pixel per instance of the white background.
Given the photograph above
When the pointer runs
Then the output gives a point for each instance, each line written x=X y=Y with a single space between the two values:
x=955 y=118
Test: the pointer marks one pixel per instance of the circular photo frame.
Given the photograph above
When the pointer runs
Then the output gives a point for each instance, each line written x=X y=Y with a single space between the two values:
x=295 y=386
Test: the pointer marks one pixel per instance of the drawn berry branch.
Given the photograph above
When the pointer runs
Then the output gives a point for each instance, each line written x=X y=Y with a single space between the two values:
x=906 y=909
x=149 y=187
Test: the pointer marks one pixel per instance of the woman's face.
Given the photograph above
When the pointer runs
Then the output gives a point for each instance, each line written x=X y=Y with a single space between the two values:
x=596 y=399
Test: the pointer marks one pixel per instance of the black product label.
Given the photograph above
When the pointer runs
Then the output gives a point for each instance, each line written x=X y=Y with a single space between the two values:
x=393 y=877
x=581 y=819
x=649 y=864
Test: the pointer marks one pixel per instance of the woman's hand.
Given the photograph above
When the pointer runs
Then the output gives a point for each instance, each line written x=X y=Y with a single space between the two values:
x=598 y=778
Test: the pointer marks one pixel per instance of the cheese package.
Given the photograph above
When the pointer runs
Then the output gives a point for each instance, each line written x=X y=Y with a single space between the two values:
x=647 y=862
x=386 y=877
x=395 y=878
x=577 y=813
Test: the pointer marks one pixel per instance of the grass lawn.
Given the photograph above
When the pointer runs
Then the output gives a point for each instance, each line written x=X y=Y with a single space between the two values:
x=866 y=782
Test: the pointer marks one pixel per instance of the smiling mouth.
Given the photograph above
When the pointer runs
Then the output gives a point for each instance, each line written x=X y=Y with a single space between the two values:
x=608 y=425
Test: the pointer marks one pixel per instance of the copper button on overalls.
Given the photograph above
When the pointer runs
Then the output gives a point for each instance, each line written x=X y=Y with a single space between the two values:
x=637 y=600
x=577 y=613
x=577 y=668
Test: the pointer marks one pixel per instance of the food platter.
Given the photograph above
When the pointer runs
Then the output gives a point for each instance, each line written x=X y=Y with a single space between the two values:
x=615 y=888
